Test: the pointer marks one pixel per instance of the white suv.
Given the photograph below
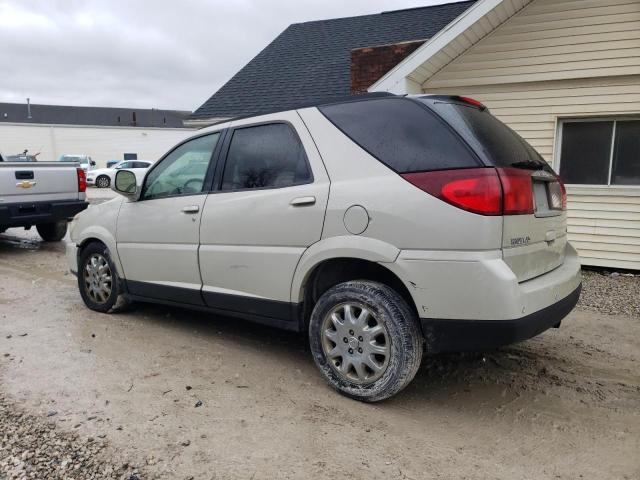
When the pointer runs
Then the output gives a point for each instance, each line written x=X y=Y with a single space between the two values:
x=384 y=227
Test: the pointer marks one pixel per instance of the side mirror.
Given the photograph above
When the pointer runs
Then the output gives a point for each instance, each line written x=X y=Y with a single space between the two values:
x=126 y=184
x=93 y=163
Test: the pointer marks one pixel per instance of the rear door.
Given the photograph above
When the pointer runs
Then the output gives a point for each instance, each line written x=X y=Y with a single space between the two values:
x=267 y=208
x=532 y=244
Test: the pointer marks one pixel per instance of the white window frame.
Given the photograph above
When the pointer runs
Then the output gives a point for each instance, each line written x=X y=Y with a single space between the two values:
x=558 y=148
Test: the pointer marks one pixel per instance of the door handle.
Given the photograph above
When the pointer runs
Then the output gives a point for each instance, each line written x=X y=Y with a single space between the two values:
x=302 y=201
x=191 y=209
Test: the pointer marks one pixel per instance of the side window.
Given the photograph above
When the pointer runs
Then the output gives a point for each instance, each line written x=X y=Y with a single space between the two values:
x=265 y=156
x=126 y=165
x=183 y=171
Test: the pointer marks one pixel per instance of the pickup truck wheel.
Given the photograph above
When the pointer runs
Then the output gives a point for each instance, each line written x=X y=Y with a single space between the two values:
x=365 y=340
x=52 y=232
x=99 y=285
x=103 y=181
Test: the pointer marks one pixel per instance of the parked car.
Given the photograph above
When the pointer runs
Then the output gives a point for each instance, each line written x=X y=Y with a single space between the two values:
x=103 y=177
x=84 y=160
x=383 y=227
x=44 y=194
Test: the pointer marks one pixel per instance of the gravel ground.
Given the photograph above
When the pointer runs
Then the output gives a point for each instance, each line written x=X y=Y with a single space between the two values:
x=611 y=293
x=32 y=448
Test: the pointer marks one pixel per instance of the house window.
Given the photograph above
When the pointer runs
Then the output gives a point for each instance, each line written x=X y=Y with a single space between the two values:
x=600 y=152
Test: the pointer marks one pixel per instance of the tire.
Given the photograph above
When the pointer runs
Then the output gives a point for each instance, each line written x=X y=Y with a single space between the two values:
x=103 y=181
x=400 y=337
x=52 y=232
x=106 y=296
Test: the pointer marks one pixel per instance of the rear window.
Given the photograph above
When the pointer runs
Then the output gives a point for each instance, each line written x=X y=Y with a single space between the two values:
x=402 y=134
x=496 y=143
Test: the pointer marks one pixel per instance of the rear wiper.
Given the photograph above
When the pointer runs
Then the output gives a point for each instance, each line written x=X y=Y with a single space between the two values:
x=528 y=164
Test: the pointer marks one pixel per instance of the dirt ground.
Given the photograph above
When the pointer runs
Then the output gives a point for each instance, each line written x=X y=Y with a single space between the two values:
x=185 y=395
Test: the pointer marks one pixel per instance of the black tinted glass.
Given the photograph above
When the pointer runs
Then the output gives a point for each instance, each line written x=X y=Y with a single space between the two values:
x=585 y=153
x=265 y=156
x=498 y=144
x=626 y=158
x=402 y=134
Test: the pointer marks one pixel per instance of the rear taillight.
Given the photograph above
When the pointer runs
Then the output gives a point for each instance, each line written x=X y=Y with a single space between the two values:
x=82 y=180
x=485 y=191
x=518 y=191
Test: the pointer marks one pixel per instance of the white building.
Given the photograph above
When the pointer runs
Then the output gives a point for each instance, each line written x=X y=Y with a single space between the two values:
x=102 y=133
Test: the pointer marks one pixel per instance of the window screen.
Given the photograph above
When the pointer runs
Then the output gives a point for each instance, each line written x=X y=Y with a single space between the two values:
x=402 y=134
x=585 y=153
x=265 y=156
x=600 y=152
x=626 y=157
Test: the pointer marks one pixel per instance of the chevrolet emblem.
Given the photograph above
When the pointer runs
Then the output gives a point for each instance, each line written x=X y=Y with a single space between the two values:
x=25 y=184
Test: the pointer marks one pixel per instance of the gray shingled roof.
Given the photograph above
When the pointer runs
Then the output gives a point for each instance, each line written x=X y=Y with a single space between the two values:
x=99 y=116
x=310 y=62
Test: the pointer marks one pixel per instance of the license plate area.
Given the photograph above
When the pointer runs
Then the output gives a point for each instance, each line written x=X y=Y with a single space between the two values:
x=547 y=196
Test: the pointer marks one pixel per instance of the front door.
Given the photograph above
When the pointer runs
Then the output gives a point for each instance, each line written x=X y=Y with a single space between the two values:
x=157 y=236
x=268 y=208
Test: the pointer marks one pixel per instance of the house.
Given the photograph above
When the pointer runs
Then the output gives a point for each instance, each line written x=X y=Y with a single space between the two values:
x=565 y=74
x=102 y=133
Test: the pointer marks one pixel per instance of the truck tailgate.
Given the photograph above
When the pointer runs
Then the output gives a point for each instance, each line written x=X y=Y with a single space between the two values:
x=37 y=182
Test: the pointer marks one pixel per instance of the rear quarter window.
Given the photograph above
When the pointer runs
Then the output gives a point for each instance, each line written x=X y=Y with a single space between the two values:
x=402 y=134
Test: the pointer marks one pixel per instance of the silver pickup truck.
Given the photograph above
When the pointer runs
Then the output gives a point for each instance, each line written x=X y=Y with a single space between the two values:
x=41 y=194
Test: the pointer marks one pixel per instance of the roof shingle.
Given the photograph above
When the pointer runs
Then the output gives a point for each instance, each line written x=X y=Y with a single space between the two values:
x=310 y=62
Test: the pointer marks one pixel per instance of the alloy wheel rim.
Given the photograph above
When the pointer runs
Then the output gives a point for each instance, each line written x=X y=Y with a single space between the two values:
x=103 y=182
x=355 y=343
x=97 y=278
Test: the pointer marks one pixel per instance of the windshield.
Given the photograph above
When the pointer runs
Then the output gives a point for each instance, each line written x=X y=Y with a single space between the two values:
x=496 y=143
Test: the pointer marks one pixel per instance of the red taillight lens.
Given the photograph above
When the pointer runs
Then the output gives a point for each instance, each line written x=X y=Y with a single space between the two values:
x=472 y=101
x=518 y=191
x=476 y=190
x=82 y=180
x=564 y=192
x=485 y=191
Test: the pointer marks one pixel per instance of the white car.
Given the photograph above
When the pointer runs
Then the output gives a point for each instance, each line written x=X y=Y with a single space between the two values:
x=383 y=227
x=85 y=161
x=103 y=177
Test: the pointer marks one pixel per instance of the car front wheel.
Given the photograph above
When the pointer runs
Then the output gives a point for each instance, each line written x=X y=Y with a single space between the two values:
x=365 y=340
x=99 y=285
x=103 y=181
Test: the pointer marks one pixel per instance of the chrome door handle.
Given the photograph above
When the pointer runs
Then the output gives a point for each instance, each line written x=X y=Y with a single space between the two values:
x=302 y=201
x=191 y=209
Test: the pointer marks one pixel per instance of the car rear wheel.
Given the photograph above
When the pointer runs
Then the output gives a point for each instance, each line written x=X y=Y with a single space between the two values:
x=98 y=281
x=52 y=232
x=103 y=181
x=365 y=340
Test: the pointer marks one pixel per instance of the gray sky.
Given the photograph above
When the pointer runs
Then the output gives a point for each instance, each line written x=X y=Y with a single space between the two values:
x=145 y=53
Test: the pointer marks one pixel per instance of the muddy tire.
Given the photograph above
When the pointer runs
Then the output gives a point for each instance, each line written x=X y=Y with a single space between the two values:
x=365 y=340
x=52 y=232
x=100 y=287
x=103 y=181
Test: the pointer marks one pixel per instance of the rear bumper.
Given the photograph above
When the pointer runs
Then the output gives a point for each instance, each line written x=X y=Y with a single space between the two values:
x=471 y=335
x=26 y=214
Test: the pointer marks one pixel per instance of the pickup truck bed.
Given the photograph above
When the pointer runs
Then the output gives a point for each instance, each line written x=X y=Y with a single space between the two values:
x=41 y=194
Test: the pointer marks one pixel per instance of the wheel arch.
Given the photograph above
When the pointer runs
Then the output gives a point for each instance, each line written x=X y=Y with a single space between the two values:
x=96 y=233
x=342 y=259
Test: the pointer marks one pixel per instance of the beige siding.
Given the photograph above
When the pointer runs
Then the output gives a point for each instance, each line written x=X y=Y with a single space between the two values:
x=553 y=40
x=564 y=59
x=101 y=143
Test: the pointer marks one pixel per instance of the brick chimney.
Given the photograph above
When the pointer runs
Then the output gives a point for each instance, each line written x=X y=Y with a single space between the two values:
x=369 y=64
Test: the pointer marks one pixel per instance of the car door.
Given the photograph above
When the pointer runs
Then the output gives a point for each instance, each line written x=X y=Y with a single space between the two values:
x=267 y=208
x=158 y=235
